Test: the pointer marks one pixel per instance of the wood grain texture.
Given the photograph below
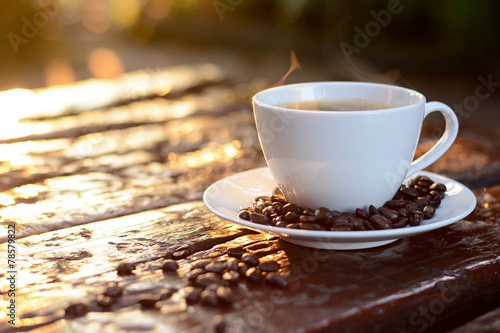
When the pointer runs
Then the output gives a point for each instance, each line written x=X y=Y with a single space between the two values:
x=121 y=180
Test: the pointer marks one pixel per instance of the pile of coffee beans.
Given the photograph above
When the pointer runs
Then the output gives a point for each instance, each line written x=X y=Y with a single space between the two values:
x=410 y=206
x=212 y=280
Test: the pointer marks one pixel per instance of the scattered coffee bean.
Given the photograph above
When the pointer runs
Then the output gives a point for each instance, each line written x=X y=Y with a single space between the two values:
x=113 y=290
x=124 y=269
x=243 y=268
x=380 y=222
x=76 y=310
x=438 y=187
x=191 y=295
x=169 y=265
x=253 y=274
x=166 y=293
x=225 y=295
x=259 y=218
x=362 y=214
x=216 y=267
x=236 y=252
x=429 y=212
x=182 y=252
x=194 y=273
x=209 y=297
x=219 y=324
x=231 y=276
x=269 y=266
x=204 y=280
x=148 y=302
x=244 y=214
x=232 y=264
x=277 y=279
x=104 y=301
x=250 y=259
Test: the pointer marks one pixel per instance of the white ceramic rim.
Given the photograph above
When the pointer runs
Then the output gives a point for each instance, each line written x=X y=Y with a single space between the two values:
x=256 y=98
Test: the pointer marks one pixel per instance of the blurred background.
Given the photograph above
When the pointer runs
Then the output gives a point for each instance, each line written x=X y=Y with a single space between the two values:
x=441 y=48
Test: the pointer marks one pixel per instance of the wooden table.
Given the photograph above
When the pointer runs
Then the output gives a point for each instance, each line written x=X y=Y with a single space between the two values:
x=105 y=172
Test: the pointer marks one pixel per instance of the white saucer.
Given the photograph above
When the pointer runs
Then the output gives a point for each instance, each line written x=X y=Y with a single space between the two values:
x=226 y=196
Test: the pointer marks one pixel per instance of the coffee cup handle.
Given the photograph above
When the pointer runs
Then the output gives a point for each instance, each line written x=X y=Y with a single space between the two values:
x=443 y=144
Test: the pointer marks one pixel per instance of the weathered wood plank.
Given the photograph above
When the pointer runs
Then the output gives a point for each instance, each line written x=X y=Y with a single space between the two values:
x=418 y=284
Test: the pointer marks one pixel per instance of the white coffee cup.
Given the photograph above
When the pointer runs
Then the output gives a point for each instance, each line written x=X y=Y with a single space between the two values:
x=345 y=160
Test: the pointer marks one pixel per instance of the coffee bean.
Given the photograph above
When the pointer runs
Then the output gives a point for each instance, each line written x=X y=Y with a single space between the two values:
x=253 y=274
x=323 y=214
x=259 y=218
x=169 y=265
x=250 y=259
x=341 y=227
x=182 y=252
x=288 y=208
x=277 y=279
x=437 y=194
x=380 y=222
x=236 y=252
x=436 y=202
x=278 y=208
x=104 y=301
x=279 y=198
x=193 y=274
x=219 y=324
x=401 y=223
x=282 y=224
x=410 y=193
x=293 y=226
x=403 y=212
x=244 y=214
x=204 y=280
x=367 y=224
x=395 y=204
x=390 y=214
x=243 y=268
x=225 y=295
x=425 y=182
x=429 y=212
x=362 y=214
x=113 y=290
x=358 y=224
x=148 y=302
x=216 y=267
x=309 y=226
x=440 y=187
x=191 y=295
x=307 y=219
x=76 y=310
x=291 y=217
x=372 y=210
x=166 y=293
x=308 y=212
x=269 y=266
x=413 y=208
x=232 y=264
x=415 y=219
x=231 y=276
x=340 y=220
x=208 y=297
x=422 y=190
x=422 y=201
x=266 y=212
x=125 y=269
x=262 y=198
